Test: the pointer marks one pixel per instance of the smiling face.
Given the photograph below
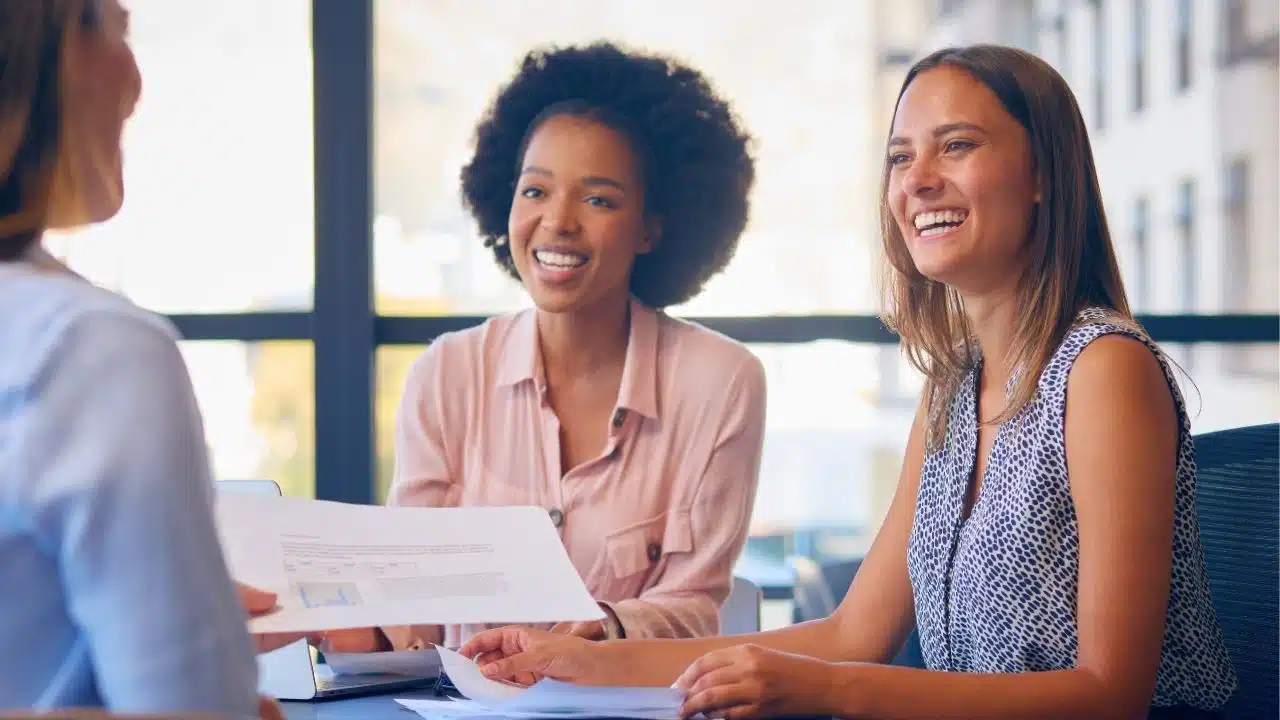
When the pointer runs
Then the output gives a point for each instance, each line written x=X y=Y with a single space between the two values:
x=961 y=187
x=577 y=222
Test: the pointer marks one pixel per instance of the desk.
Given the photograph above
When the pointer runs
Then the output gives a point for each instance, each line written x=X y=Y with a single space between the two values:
x=369 y=707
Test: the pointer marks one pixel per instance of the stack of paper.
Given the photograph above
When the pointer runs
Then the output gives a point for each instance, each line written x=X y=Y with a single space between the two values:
x=547 y=698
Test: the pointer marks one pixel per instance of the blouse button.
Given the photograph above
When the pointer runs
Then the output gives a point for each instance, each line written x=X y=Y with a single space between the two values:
x=557 y=517
x=655 y=552
x=619 y=416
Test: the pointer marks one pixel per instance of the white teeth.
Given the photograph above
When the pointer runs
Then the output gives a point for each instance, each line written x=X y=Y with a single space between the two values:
x=559 y=260
x=940 y=217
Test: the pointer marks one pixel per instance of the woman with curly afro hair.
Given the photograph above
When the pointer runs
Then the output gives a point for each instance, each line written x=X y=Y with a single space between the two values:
x=611 y=184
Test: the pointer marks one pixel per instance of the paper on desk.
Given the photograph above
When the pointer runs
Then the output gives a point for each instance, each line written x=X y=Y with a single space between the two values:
x=554 y=698
x=335 y=565
x=413 y=663
x=467 y=710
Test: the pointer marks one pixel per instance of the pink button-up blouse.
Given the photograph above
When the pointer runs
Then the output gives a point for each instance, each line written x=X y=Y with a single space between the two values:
x=655 y=524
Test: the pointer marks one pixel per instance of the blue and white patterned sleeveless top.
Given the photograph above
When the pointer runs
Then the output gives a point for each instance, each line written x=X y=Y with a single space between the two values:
x=997 y=592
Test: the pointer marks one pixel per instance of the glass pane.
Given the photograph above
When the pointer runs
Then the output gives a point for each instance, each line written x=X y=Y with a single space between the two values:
x=218 y=213
x=1228 y=385
x=258 y=402
x=809 y=89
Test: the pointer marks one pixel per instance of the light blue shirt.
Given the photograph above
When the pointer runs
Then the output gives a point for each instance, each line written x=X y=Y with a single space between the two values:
x=113 y=588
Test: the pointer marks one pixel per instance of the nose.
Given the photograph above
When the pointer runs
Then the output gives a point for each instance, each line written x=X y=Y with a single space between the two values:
x=559 y=216
x=922 y=177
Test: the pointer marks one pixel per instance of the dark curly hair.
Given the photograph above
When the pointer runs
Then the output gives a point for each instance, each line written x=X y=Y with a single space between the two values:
x=693 y=155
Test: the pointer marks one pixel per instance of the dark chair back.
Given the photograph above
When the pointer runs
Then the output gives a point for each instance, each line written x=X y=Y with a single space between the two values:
x=1238 y=506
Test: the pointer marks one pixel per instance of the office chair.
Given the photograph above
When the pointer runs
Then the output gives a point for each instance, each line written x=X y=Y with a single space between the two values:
x=740 y=614
x=1238 y=507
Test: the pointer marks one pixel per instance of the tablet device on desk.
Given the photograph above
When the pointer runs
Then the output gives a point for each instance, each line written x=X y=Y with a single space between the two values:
x=294 y=672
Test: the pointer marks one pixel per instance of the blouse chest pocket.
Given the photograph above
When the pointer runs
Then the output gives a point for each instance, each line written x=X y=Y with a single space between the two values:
x=641 y=547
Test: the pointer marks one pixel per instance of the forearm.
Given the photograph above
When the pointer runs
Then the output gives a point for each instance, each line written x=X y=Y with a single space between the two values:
x=660 y=662
x=885 y=692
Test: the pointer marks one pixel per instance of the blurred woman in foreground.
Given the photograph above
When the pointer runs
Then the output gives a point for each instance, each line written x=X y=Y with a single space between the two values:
x=115 y=592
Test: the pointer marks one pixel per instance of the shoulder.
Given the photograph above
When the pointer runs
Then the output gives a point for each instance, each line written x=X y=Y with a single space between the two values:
x=63 y=319
x=1112 y=362
x=1119 y=395
x=471 y=346
x=695 y=356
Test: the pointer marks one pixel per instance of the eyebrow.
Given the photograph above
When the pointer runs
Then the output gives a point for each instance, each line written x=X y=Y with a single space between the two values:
x=598 y=180
x=940 y=131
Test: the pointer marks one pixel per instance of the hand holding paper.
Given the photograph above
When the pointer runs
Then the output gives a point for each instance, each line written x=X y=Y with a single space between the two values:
x=335 y=566
x=550 y=698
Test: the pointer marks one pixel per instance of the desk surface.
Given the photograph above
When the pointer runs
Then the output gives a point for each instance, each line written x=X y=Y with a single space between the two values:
x=371 y=707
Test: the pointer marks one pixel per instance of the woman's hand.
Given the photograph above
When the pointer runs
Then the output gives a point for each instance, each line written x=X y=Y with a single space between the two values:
x=524 y=656
x=748 y=681
x=258 y=603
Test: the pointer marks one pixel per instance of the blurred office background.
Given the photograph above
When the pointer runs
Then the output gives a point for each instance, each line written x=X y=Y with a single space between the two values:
x=292 y=203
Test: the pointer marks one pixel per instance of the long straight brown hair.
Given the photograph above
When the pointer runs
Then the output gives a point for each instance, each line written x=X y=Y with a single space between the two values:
x=36 y=184
x=1070 y=262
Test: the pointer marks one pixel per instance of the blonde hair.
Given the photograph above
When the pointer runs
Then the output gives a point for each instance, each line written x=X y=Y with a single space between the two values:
x=1071 y=262
x=37 y=182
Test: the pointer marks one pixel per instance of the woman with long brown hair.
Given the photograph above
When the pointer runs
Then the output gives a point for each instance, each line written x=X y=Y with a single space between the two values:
x=113 y=589
x=1043 y=538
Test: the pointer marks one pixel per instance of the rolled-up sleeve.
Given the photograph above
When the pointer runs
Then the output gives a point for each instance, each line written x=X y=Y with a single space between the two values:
x=118 y=490
x=686 y=598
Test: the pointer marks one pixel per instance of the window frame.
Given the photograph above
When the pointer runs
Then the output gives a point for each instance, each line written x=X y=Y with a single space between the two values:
x=346 y=331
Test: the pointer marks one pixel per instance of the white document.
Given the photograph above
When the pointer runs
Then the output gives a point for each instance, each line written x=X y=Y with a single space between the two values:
x=336 y=565
x=467 y=710
x=413 y=663
x=471 y=683
x=550 y=698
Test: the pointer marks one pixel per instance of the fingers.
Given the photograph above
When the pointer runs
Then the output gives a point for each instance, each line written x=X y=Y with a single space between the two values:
x=720 y=677
x=256 y=602
x=488 y=641
x=707 y=663
x=735 y=700
x=527 y=664
x=268 y=709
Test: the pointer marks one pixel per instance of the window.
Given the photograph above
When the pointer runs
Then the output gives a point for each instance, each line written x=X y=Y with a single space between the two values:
x=1141 y=288
x=1100 y=40
x=217 y=162
x=1139 y=49
x=1186 y=224
x=1235 y=27
x=1235 y=266
x=259 y=415
x=1182 y=46
x=811 y=243
x=1062 y=36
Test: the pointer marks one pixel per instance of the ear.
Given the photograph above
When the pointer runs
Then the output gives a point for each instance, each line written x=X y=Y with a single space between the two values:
x=652 y=236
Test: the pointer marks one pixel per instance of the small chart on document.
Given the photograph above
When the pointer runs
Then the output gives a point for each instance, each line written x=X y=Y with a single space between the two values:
x=318 y=594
